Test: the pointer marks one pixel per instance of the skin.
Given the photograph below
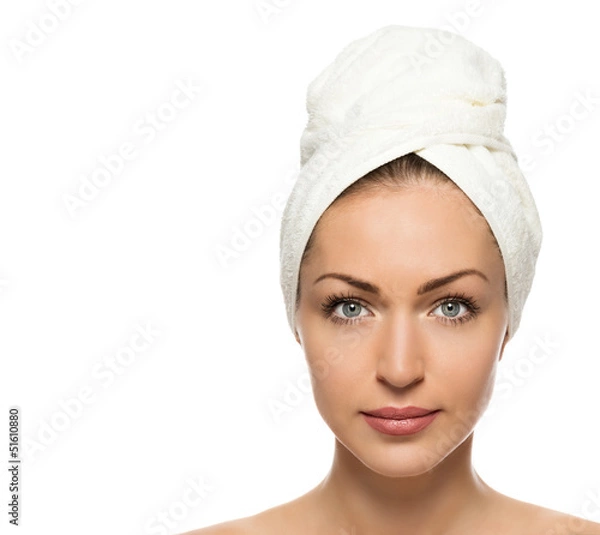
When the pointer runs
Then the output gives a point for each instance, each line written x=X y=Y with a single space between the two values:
x=404 y=350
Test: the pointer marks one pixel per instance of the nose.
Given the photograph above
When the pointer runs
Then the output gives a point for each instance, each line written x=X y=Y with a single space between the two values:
x=401 y=351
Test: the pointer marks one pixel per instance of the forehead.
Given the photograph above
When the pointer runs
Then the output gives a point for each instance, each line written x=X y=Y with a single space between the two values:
x=422 y=227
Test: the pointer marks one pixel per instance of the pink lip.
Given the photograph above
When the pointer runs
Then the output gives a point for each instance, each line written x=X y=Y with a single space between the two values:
x=404 y=421
x=399 y=414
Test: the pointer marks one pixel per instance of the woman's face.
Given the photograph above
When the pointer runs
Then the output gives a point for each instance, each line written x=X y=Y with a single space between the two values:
x=414 y=343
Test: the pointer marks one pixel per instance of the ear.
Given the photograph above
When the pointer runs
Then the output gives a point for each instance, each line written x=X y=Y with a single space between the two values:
x=503 y=344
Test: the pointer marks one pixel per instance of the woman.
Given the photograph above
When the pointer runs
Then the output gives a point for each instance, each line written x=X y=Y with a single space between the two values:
x=408 y=249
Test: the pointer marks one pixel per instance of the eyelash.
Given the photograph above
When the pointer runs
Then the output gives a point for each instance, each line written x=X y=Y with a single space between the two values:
x=332 y=301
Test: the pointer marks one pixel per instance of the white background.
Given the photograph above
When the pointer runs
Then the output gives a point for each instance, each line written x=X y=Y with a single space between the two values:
x=194 y=403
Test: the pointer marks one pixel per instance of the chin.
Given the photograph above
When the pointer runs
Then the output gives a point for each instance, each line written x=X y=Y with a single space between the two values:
x=403 y=461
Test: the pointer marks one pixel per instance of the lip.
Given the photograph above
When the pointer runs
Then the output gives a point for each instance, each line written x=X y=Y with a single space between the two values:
x=396 y=421
x=399 y=414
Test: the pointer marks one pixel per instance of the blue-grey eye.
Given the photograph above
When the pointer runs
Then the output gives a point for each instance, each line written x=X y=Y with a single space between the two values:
x=351 y=309
x=451 y=309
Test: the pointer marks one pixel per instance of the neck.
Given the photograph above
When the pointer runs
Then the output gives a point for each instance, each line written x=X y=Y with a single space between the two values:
x=363 y=501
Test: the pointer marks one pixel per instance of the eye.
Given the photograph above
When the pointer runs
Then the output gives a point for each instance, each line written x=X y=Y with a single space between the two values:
x=456 y=309
x=451 y=309
x=349 y=309
x=343 y=309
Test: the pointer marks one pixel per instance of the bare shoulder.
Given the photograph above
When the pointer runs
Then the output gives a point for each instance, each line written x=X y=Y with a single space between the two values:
x=241 y=526
x=557 y=522
x=545 y=521
x=289 y=518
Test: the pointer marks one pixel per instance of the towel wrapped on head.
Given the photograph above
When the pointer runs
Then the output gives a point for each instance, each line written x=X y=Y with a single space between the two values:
x=379 y=100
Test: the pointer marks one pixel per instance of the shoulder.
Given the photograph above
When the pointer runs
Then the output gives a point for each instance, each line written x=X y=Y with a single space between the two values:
x=550 y=522
x=288 y=518
x=270 y=521
x=241 y=526
x=540 y=520
x=562 y=523
x=294 y=517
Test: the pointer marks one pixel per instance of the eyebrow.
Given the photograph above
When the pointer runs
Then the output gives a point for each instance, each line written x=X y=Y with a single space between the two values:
x=428 y=286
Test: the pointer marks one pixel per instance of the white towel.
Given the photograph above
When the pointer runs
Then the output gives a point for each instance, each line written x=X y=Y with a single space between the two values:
x=400 y=90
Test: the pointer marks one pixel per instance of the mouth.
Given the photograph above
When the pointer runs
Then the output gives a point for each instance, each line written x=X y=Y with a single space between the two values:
x=395 y=413
x=396 y=421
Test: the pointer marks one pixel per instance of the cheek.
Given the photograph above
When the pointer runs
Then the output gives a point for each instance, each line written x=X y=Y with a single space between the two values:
x=469 y=371
x=334 y=371
x=336 y=366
